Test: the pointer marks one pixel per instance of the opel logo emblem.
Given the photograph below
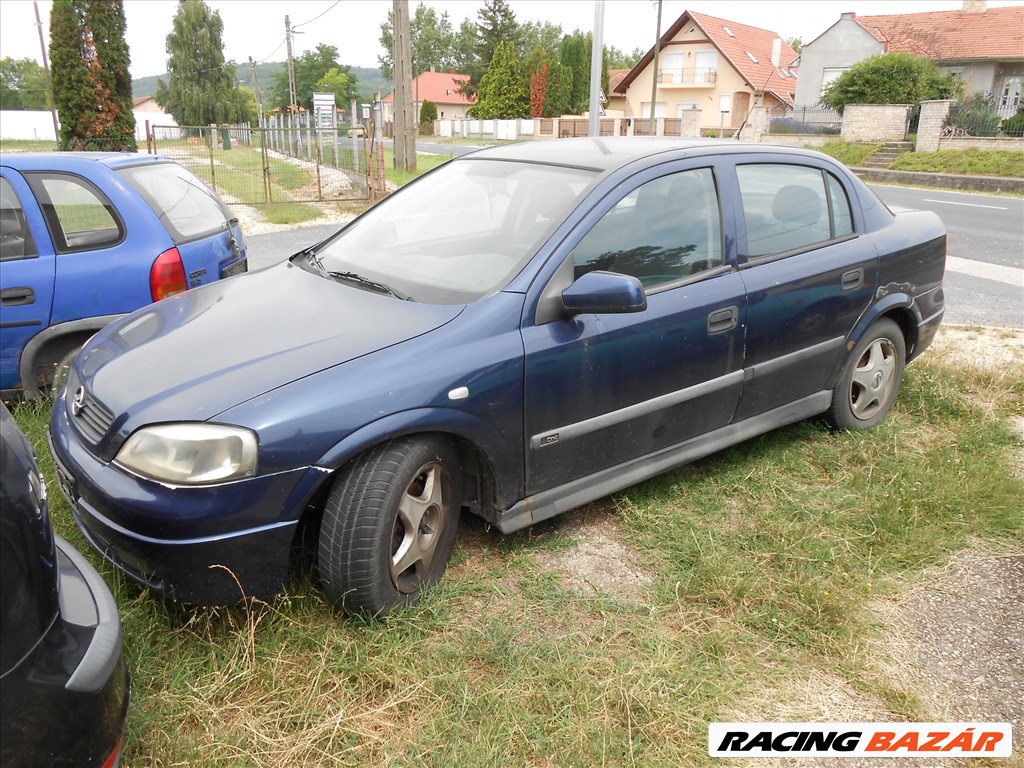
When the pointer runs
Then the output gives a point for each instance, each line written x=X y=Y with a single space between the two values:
x=78 y=402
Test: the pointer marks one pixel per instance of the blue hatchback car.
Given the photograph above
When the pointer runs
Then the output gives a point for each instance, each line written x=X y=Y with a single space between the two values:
x=520 y=331
x=87 y=237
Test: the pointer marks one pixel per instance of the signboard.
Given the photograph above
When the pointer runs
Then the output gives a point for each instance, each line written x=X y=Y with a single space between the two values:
x=323 y=108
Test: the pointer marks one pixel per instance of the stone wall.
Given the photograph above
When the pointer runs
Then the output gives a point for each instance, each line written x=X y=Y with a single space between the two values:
x=875 y=122
x=929 y=126
x=1009 y=143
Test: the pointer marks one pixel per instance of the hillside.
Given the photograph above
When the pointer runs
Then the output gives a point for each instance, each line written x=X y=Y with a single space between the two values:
x=369 y=80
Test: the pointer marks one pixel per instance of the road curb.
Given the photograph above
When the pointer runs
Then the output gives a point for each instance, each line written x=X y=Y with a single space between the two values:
x=943 y=180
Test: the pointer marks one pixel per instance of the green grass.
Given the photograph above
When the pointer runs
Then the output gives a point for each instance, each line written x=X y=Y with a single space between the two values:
x=27 y=145
x=979 y=162
x=763 y=561
x=424 y=163
x=849 y=153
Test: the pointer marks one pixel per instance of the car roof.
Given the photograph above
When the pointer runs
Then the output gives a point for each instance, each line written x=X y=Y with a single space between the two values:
x=71 y=161
x=606 y=153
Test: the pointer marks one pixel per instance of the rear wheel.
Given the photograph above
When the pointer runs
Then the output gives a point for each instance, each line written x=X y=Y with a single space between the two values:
x=389 y=524
x=870 y=379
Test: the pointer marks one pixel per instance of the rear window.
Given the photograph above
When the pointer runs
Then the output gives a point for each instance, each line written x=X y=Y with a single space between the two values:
x=183 y=203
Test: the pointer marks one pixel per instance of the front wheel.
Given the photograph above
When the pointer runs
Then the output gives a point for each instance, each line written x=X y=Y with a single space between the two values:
x=389 y=524
x=870 y=379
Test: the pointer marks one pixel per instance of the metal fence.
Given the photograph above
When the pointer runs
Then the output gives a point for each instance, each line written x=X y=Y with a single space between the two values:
x=274 y=164
x=982 y=116
x=815 y=121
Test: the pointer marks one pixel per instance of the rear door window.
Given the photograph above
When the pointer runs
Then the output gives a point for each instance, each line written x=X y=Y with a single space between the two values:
x=78 y=215
x=183 y=203
x=791 y=207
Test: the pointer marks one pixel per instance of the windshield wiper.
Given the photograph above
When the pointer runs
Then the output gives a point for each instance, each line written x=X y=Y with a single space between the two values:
x=352 y=277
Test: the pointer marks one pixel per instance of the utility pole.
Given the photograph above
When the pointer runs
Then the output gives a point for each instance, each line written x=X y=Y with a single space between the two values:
x=46 y=69
x=654 y=79
x=405 y=123
x=596 y=58
x=292 y=100
x=256 y=89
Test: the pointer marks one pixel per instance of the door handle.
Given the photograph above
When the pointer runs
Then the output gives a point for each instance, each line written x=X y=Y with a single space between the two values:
x=17 y=297
x=722 y=320
x=853 y=279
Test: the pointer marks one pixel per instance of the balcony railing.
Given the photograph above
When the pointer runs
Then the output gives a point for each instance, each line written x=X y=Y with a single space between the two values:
x=688 y=77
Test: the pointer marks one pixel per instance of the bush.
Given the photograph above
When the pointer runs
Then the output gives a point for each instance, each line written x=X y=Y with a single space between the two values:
x=1013 y=126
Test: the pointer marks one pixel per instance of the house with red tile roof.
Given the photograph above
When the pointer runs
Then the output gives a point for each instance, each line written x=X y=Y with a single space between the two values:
x=721 y=67
x=981 y=45
x=442 y=88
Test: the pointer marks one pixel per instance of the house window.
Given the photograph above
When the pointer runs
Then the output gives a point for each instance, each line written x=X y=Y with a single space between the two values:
x=705 y=63
x=829 y=74
x=1011 y=94
x=660 y=109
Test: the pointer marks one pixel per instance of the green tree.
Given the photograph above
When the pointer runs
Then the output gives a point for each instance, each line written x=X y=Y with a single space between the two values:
x=616 y=59
x=22 y=84
x=432 y=39
x=92 y=88
x=201 y=86
x=496 y=24
x=341 y=84
x=574 y=55
x=310 y=69
x=558 y=93
x=891 y=78
x=540 y=33
x=504 y=92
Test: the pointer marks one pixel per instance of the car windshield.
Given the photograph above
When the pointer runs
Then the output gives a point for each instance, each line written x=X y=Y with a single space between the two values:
x=460 y=233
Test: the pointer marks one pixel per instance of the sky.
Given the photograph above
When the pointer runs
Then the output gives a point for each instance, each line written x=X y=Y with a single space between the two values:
x=256 y=27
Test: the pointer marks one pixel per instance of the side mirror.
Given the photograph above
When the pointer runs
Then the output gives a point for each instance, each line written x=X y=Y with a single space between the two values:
x=604 y=293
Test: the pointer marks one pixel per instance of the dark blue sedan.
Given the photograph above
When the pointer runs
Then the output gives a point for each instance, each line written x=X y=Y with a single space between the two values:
x=520 y=331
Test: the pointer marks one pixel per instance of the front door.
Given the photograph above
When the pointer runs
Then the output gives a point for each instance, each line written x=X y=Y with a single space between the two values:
x=604 y=389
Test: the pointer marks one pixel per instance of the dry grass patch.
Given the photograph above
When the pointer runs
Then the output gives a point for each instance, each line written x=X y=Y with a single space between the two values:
x=599 y=562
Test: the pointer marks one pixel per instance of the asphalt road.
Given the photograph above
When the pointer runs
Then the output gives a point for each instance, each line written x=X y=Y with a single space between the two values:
x=985 y=265
x=984 y=272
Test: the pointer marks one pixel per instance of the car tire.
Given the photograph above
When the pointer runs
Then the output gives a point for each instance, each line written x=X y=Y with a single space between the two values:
x=870 y=379
x=389 y=524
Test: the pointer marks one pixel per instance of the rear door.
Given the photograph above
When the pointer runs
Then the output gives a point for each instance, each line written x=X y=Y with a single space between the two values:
x=207 y=237
x=809 y=276
x=26 y=273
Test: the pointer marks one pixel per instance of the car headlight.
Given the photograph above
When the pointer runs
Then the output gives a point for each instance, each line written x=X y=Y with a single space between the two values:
x=190 y=454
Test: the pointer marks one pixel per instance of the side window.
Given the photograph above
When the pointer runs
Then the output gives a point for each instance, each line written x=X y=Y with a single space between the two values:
x=787 y=207
x=78 y=215
x=841 y=218
x=666 y=230
x=15 y=239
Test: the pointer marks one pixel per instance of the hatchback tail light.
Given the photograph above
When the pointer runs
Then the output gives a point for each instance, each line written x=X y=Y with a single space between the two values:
x=167 y=275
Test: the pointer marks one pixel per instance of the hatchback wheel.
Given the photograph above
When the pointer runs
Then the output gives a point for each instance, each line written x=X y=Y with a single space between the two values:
x=389 y=524
x=870 y=379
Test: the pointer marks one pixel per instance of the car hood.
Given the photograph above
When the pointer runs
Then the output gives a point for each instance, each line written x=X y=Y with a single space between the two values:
x=197 y=354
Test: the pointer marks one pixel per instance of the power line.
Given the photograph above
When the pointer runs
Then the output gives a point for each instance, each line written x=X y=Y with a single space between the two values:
x=261 y=60
x=296 y=26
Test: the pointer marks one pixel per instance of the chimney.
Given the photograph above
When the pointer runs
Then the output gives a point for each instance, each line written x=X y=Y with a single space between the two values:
x=975 y=6
x=776 y=51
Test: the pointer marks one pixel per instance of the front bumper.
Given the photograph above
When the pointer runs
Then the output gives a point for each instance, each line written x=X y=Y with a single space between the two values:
x=208 y=545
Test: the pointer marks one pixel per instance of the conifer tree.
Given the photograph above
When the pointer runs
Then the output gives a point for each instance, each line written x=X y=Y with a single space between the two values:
x=92 y=87
x=504 y=92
